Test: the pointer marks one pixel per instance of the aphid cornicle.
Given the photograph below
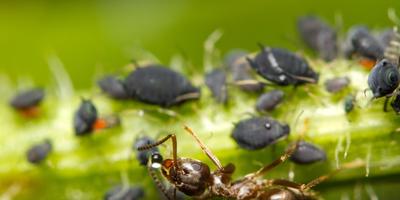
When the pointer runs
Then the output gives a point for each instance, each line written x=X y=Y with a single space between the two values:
x=242 y=72
x=39 y=152
x=283 y=67
x=307 y=153
x=360 y=42
x=124 y=193
x=384 y=78
x=258 y=132
x=27 y=100
x=143 y=156
x=195 y=179
x=84 y=118
x=270 y=100
x=336 y=84
x=159 y=85
x=216 y=82
x=113 y=87
x=318 y=36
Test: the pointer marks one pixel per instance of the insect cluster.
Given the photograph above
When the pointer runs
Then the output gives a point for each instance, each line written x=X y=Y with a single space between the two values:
x=268 y=74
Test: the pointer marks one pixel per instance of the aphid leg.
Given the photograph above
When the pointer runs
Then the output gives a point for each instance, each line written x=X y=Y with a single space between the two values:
x=351 y=165
x=204 y=148
x=188 y=96
x=385 y=104
x=174 y=146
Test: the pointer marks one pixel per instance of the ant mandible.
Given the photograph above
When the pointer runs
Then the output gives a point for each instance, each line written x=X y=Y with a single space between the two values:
x=195 y=179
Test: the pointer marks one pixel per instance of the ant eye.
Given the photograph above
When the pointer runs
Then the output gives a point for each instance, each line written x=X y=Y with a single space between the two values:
x=156 y=160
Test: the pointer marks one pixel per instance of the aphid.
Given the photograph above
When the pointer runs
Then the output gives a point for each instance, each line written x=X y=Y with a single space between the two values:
x=336 y=84
x=384 y=78
x=269 y=101
x=283 y=67
x=307 y=153
x=318 y=36
x=396 y=104
x=258 y=132
x=195 y=179
x=143 y=156
x=113 y=87
x=124 y=193
x=242 y=72
x=27 y=101
x=349 y=103
x=385 y=37
x=85 y=117
x=216 y=82
x=39 y=152
x=361 y=43
x=159 y=85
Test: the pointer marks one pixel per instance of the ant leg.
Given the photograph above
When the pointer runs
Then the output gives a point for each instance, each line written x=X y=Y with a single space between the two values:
x=276 y=162
x=351 y=165
x=174 y=146
x=204 y=148
x=159 y=184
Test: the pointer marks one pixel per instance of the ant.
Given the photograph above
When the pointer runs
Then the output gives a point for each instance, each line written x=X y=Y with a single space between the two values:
x=195 y=179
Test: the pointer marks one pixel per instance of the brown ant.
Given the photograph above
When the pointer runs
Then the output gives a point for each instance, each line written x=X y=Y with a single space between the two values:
x=195 y=179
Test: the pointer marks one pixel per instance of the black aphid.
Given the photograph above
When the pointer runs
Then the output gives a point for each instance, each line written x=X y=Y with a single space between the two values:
x=360 y=42
x=307 y=153
x=385 y=37
x=39 y=152
x=159 y=85
x=349 y=103
x=318 y=36
x=258 y=132
x=241 y=72
x=143 y=156
x=216 y=82
x=283 y=67
x=383 y=79
x=336 y=84
x=113 y=87
x=27 y=99
x=85 y=117
x=269 y=101
x=124 y=193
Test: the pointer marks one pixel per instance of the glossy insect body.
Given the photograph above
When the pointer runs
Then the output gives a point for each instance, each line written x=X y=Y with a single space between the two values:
x=216 y=82
x=283 y=67
x=159 y=85
x=319 y=36
x=349 y=103
x=383 y=79
x=336 y=84
x=360 y=42
x=307 y=153
x=259 y=132
x=27 y=99
x=269 y=101
x=195 y=179
x=85 y=117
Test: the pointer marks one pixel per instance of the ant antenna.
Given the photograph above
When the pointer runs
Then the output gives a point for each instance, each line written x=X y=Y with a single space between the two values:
x=205 y=149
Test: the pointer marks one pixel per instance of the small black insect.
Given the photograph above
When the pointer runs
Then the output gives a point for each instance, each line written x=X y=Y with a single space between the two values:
x=39 y=152
x=241 y=72
x=159 y=85
x=396 y=104
x=269 y=101
x=27 y=100
x=383 y=79
x=143 y=156
x=385 y=37
x=349 y=103
x=307 y=153
x=124 y=193
x=258 y=132
x=84 y=118
x=361 y=43
x=283 y=67
x=336 y=84
x=113 y=87
x=318 y=36
x=216 y=82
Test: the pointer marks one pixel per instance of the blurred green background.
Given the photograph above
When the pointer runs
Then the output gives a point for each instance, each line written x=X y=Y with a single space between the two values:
x=96 y=36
